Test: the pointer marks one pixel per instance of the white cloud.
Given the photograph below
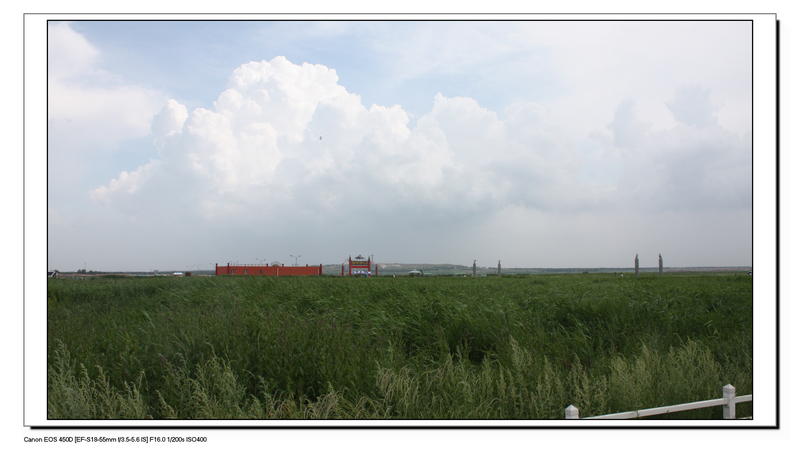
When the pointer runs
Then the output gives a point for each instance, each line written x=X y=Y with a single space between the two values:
x=697 y=164
x=258 y=153
x=69 y=54
x=87 y=105
x=127 y=184
x=693 y=106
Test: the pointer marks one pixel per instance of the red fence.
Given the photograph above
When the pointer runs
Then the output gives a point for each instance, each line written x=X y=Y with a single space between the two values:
x=272 y=271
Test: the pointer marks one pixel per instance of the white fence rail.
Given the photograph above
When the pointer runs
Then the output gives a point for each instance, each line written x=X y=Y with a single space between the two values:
x=728 y=401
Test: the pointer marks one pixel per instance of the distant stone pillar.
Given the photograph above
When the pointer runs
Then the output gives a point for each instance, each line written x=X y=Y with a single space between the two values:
x=660 y=265
x=498 y=269
x=474 y=273
x=636 y=266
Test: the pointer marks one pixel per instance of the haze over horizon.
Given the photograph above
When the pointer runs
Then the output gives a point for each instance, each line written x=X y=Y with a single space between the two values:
x=543 y=144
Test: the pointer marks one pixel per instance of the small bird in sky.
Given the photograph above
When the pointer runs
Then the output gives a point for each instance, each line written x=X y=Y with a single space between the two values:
x=320 y=137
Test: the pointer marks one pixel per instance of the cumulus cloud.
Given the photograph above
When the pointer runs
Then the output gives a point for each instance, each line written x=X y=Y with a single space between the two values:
x=692 y=106
x=69 y=54
x=697 y=164
x=257 y=155
x=260 y=146
x=87 y=104
x=629 y=132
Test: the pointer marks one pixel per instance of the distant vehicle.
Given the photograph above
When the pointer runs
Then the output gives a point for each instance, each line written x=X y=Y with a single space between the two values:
x=178 y=274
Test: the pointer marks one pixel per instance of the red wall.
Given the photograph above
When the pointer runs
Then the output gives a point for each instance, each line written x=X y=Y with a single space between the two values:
x=273 y=271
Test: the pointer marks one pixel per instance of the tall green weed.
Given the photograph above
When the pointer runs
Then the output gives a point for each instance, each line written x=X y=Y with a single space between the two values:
x=527 y=347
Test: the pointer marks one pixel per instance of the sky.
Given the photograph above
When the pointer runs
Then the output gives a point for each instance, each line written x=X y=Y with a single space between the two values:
x=542 y=144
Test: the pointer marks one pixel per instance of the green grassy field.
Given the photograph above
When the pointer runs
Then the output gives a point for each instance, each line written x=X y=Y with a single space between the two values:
x=522 y=347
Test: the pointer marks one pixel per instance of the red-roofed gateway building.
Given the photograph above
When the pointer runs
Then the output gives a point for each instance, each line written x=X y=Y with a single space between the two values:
x=359 y=266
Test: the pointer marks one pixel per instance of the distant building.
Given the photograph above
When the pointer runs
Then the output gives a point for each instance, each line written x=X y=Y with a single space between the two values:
x=264 y=270
x=359 y=266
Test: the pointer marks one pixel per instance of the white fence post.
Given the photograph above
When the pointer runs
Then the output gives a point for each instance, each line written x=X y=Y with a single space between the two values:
x=571 y=413
x=729 y=408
